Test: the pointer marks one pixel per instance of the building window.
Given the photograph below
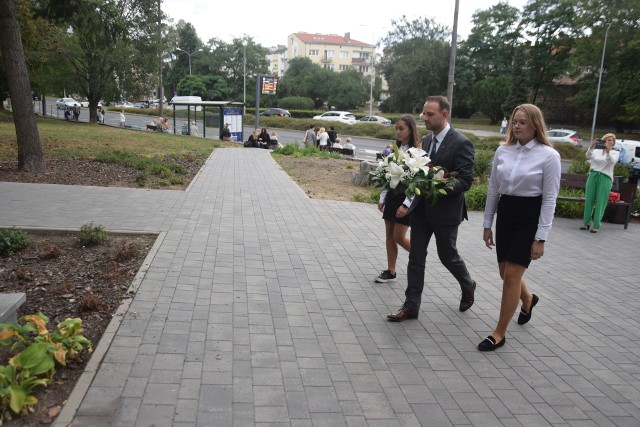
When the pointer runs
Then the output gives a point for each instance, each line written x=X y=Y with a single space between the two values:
x=328 y=54
x=328 y=67
x=364 y=55
x=344 y=67
x=364 y=69
x=314 y=52
x=344 y=54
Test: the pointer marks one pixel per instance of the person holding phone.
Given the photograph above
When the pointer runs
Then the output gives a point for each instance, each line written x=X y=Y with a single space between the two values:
x=602 y=159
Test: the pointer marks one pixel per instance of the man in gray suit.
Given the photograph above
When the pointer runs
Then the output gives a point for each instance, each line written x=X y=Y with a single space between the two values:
x=455 y=152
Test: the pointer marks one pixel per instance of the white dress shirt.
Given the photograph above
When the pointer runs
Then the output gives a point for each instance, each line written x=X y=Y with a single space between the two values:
x=603 y=163
x=527 y=171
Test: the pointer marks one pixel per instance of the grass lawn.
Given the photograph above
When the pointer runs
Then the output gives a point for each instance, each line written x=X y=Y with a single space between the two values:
x=62 y=139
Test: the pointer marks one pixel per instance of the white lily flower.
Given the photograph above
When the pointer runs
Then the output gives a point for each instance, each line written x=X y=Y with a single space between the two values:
x=416 y=152
x=439 y=175
x=395 y=174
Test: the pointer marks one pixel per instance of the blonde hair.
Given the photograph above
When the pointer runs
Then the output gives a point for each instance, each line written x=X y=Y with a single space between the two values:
x=348 y=139
x=338 y=140
x=609 y=135
x=274 y=133
x=321 y=130
x=535 y=118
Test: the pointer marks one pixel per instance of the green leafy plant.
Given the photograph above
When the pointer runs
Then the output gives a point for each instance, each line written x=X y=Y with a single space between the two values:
x=579 y=166
x=35 y=365
x=359 y=197
x=13 y=240
x=91 y=234
x=477 y=196
x=482 y=167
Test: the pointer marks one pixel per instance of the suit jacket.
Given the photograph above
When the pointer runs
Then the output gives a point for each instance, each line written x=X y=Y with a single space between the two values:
x=455 y=154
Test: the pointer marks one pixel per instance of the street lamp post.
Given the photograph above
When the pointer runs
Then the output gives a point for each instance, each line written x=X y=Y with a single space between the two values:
x=189 y=55
x=595 y=109
x=371 y=85
x=244 y=76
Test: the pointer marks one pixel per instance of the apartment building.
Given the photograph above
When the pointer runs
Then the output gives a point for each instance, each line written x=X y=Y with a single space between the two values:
x=277 y=60
x=333 y=52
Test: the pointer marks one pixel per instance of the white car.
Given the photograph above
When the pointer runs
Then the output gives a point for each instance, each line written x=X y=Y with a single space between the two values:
x=337 y=116
x=564 y=135
x=379 y=120
x=63 y=103
x=85 y=104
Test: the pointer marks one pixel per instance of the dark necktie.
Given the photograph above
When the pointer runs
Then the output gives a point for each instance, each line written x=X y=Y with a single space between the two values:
x=434 y=144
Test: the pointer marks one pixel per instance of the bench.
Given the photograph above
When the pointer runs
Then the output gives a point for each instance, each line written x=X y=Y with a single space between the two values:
x=342 y=151
x=9 y=305
x=578 y=181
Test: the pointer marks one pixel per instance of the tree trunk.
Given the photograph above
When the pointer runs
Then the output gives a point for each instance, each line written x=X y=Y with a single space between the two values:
x=30 y=157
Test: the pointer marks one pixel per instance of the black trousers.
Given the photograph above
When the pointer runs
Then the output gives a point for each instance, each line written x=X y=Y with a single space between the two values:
x=446 y=238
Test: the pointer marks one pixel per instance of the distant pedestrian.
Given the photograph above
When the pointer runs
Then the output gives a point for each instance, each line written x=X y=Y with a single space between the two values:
x=332 y=135
x=225 y=133
x=503 y=126
x=309 y=139
x=76 y=112
x=123 y=119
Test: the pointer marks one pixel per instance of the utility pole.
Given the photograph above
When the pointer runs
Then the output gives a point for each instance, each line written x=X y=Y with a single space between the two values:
x=595 y=109
x=160 y=87
x=452 y=58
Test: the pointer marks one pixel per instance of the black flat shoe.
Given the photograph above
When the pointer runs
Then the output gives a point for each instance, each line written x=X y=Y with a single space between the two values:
x=585 y=227
x=525 y=317
x=489 y=344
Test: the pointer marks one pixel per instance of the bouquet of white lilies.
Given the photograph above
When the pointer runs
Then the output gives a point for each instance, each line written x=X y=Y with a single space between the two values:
x=412 y=174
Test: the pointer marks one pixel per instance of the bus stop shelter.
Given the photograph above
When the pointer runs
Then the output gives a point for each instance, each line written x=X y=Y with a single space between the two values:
x=228 y=112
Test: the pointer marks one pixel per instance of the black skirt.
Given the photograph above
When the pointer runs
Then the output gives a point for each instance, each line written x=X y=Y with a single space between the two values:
x=392 y=202
x=516 y=227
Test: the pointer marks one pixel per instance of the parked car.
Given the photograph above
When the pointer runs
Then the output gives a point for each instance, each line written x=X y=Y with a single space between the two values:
x=276 y=112
x=564 y=135
x=85 y=104
x=379 y=120
x=337 y=116
x=63 y=103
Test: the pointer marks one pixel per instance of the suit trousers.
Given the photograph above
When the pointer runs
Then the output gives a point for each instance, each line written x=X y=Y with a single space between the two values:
x=446 y=237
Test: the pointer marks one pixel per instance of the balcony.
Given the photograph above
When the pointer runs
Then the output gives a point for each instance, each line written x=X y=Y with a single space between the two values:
x=360 y=61
x=326 y=60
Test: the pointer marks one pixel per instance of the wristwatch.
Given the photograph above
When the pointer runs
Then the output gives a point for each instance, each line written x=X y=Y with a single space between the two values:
x=539 y=240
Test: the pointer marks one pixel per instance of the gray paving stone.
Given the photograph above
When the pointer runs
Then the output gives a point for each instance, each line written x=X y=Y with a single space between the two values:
x=236 y=312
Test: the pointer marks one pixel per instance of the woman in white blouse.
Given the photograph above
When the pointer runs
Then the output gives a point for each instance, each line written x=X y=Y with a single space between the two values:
x=523 y=187
x=602 y=161
x=323 y=138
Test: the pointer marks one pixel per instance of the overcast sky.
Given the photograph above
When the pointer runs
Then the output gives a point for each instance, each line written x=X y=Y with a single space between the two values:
x=271 y=22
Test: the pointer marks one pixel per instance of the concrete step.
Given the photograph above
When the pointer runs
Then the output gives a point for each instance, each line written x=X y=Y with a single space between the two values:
x=9 y=305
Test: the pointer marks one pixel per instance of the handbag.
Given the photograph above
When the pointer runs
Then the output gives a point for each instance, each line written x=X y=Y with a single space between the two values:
x=614 y=197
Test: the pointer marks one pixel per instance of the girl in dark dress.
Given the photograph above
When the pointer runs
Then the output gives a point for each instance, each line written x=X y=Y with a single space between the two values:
x=396 y=228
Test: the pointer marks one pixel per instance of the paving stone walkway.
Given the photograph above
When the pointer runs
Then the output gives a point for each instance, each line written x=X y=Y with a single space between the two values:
x=258 y=308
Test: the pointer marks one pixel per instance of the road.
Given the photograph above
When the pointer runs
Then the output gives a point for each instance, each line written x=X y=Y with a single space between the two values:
x=366 y=148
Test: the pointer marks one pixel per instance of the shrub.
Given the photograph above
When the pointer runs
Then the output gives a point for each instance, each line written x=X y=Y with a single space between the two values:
x=482 y=167
x=569 y=151
x=477 y=196
x=13 y=240
x=92 y=234
x=579 y=166
x=487 y=144
x=568 y=209
x=296 y=103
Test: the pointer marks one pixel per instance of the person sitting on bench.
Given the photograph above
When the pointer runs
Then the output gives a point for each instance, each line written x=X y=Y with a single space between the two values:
x=337 y=143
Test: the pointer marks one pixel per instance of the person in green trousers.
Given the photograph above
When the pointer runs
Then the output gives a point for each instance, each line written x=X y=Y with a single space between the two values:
x=601 y=160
